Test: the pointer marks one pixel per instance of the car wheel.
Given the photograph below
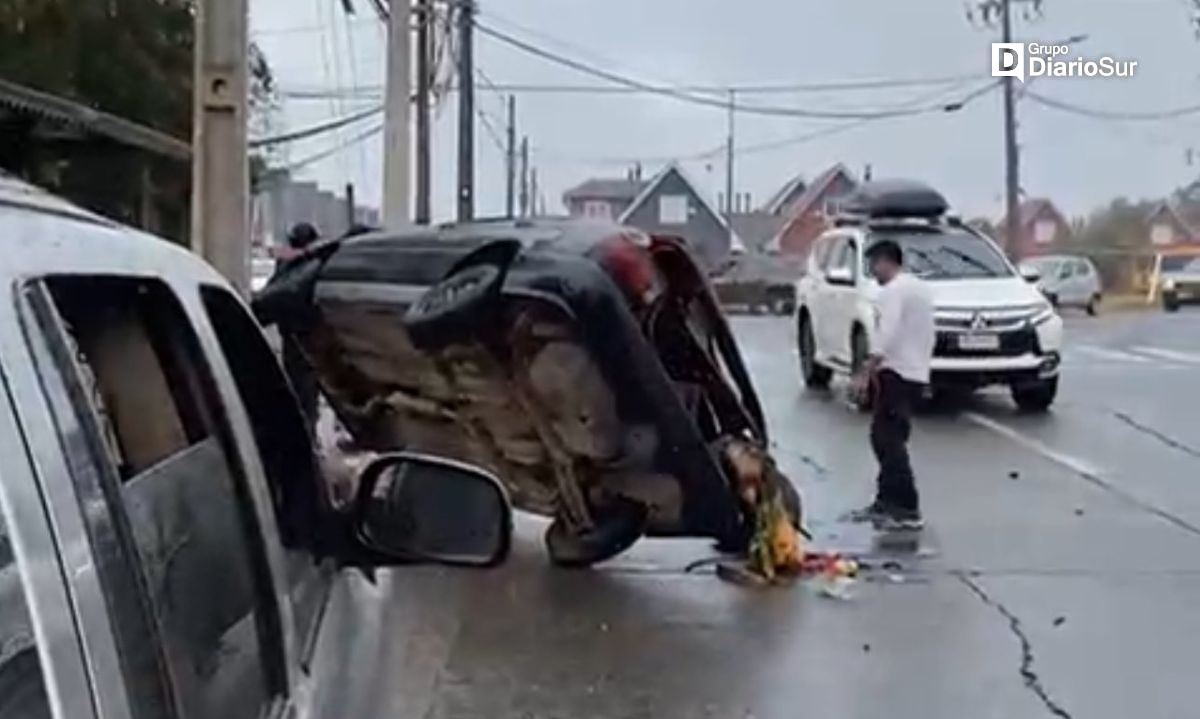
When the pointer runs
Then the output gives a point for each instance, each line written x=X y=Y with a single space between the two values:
x=1170 y=303
x=1035 y=397
x=1093 y=305
x=1052 y=298
x=859 y=351
x=814 y=374
x=450 y=310
x=615 y=530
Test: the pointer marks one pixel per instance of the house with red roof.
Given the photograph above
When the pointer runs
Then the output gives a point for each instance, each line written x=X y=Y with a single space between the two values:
x=810 y=211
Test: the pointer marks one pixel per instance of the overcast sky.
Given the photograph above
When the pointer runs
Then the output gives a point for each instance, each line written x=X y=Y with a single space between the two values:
x=1077 y=161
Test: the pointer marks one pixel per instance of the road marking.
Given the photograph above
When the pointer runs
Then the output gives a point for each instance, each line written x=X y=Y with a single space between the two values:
x=1171 y=355
x=1075 y=464
x=1111 y=354
x=1082 y=469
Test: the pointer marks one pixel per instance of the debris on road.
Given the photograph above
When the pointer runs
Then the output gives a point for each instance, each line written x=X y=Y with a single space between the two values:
x=1059 y=621
x=1014 y=474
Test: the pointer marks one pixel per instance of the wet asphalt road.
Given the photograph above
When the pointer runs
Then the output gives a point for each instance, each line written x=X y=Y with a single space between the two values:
x=1059 y=574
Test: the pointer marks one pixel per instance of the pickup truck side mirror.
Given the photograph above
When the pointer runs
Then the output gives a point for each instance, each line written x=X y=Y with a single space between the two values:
x=413 y=508
x=1031 y=274
x=839 y=276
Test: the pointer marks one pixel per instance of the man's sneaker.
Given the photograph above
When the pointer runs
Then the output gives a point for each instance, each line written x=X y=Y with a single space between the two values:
x=900 y=520
x=870 y=514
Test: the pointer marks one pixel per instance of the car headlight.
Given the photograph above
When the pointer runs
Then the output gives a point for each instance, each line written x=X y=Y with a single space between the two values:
x=1169 y=285
x=1044 y=313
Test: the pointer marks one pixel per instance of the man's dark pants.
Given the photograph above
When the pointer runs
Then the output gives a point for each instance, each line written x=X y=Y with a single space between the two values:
x=890 y=430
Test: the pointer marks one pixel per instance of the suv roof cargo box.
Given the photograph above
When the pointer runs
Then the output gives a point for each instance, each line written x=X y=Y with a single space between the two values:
x=896 y=198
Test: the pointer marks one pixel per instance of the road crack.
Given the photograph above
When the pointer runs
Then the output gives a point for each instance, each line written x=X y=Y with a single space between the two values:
x=1032 y=681
x=1161 y=437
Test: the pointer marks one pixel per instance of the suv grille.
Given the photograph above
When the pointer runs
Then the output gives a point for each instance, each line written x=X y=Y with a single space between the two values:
x=1012 y=344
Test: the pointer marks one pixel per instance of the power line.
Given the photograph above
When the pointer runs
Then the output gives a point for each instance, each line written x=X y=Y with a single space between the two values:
x=1120 y=115
x=690 y=97
x=329 y=152
x=315 y=130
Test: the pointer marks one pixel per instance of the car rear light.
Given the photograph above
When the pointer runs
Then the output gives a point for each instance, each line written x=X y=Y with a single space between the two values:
x=629 y=264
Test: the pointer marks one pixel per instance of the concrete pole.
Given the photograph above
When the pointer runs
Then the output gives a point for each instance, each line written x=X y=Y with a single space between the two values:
x=1012 y=153
x=424 y=80
x=220 y=169
x=510 y=162
x=466 y=110
x=397 y=120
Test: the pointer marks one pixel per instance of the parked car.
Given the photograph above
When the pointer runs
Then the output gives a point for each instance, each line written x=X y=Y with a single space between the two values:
x=1178 y=277
x=757 y=283
x=586 y=364
x=993 y=327
x=1067 y=281
x=168 y=547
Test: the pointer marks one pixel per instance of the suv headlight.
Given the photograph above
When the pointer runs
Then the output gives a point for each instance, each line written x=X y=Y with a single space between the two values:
x=1044 y=313
x=1169 y=284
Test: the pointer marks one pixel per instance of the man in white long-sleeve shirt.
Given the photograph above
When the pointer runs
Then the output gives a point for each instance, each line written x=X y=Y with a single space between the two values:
x=897 y=369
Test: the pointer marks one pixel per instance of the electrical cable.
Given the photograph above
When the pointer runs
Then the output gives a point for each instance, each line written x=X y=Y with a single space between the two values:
x=684 y=96
x=1125 y=116
x=315 y=130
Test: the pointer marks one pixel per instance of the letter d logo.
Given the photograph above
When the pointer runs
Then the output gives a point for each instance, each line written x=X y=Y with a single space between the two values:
x=1008 y=60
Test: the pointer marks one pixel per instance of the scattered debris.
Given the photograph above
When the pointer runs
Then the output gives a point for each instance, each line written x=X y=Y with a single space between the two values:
x=1078 y=512
x=896 y=578
x=866 y=648
x=1059 y=621
x=839 y=588
x=1014 y=474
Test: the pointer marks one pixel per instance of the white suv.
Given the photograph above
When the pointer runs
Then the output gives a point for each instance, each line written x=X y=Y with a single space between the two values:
x=993 y=326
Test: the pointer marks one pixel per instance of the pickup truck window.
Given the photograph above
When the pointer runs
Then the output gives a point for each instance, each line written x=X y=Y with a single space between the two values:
x=286 y=449
x=176 y=487
x=22 y=689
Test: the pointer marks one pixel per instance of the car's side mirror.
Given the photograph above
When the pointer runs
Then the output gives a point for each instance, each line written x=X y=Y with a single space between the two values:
x=414 y=508
x=839 y=276
x=1031 y=274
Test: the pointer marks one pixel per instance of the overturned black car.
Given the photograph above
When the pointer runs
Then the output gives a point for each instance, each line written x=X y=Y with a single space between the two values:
x=586 y=364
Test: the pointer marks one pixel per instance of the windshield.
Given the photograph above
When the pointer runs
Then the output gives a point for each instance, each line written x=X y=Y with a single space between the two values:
x=1181 y=264
x=954 y=255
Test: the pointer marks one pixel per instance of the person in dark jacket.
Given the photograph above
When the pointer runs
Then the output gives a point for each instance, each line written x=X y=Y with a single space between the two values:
x=295 y=365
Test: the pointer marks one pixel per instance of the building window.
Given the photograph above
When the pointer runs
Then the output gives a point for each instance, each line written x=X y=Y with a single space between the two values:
x=1162 y=234
x=597 y=209
x=1044 y=231
x=673 y=210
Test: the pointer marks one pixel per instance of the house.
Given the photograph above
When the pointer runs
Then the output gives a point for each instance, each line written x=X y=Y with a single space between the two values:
x=1041 y=228
x=783 y=201
x=810 y=212
x=604 y=198
x=1176 y=220
x=670 y=204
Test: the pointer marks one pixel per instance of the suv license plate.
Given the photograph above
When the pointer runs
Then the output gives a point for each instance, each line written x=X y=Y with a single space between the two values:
x=978 y=342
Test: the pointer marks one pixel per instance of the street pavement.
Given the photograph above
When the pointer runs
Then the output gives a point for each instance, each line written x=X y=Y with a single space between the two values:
x=1059 y=574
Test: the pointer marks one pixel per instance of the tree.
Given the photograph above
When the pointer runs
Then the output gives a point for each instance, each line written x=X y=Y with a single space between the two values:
x=131 y=58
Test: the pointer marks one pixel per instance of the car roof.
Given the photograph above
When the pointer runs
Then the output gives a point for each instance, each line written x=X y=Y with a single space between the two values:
x=42 y=234
x=562 y=232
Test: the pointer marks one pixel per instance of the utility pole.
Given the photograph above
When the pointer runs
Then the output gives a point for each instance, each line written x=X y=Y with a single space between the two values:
x=466 y=110
x=533 y=192
x=729 y=148
x=510 y=164
x=422 y=211
x=524 y=204
x=220 y=170
x=988 y=11
x=397 y=117
x=351 y=206
x=1012 y=153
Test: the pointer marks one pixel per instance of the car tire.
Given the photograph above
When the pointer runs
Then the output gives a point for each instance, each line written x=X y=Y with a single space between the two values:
x=616 y=529
x=452 y=309
x=1036 y=397
x=1052 y=298
x=1093 y=305
x=1170 y=303
x=859 y=351
x=814 y=374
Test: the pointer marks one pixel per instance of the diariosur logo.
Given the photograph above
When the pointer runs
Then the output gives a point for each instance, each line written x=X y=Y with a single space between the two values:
x=1028 y=60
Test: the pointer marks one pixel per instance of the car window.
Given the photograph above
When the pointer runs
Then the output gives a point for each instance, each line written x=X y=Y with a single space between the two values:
x=297 y=490
x=822 y=251
x=174 y=486
x=843 y=255
x=947 y=255
x=1082 y=268
x=22 y=688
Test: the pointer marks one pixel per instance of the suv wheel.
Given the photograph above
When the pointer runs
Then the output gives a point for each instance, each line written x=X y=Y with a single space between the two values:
x=1170 y=302
x=1036 y=397
x=815 y=375
x=1093 y=305
x=616 y=528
